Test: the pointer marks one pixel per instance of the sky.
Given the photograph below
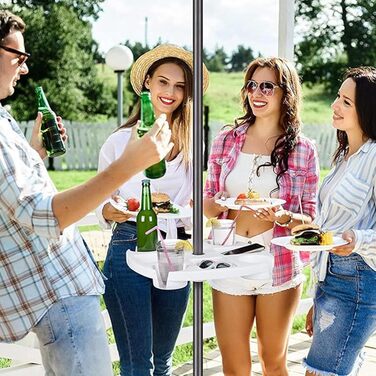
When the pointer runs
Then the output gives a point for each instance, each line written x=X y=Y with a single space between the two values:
x=227 y=23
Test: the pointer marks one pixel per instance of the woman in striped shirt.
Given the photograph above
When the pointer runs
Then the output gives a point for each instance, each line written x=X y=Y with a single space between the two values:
x=263 y=152
x=344 y=313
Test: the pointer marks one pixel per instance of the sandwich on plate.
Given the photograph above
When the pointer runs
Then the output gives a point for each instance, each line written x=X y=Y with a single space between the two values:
x=162 y=204
x=310 y=234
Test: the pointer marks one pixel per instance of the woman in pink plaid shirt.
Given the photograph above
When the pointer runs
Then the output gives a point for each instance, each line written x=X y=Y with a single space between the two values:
x=263 y=152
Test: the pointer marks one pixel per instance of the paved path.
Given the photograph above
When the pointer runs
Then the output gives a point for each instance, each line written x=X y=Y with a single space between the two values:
x=299 y=345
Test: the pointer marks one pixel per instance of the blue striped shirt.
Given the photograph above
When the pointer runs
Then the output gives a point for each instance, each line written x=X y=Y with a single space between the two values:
x=350 y=205
x=38 y=265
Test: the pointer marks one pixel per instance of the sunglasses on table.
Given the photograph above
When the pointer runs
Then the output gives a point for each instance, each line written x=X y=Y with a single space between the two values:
x=22 y=56
x=266 y=87
x=209 y=264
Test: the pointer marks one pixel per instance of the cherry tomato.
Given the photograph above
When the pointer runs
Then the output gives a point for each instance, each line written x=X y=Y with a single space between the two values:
x=133 y=204
x=241 y=196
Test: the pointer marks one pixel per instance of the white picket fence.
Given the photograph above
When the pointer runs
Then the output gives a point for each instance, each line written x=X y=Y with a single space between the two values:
x=85 y=141
x=83 y=145
x=325 y=139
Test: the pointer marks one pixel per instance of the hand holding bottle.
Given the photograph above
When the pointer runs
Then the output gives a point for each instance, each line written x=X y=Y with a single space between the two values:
x=141 y=153
x=147 y=120
x=51 y=135
x=36 y=140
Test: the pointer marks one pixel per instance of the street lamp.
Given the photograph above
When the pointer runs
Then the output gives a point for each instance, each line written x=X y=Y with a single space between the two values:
x=119 y=58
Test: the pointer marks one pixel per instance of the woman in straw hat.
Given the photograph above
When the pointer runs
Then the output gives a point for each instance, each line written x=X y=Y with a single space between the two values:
x=262 y=153
x=146 y=320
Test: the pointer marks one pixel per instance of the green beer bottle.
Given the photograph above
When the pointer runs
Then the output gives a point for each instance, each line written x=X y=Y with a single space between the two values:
x=146 y=219
x=147 y=120
x=50 y=131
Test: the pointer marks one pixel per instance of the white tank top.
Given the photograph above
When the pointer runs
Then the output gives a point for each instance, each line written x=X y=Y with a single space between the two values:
x=243 y=177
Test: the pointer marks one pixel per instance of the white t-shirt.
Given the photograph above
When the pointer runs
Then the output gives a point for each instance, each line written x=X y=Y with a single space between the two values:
x=177 y=181
x=237 y=180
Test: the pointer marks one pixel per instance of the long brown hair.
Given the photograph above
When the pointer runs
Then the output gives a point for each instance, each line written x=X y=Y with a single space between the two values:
x=365 y=94
x=289 y=121
x=181 y=117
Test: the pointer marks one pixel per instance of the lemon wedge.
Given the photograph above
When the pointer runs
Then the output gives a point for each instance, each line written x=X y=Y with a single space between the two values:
x=184 y=244
x=212 y=222
x=326 y=238
x=253 y=194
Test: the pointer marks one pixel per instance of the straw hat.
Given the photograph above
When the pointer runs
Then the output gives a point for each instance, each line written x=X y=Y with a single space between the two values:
x=145 y=61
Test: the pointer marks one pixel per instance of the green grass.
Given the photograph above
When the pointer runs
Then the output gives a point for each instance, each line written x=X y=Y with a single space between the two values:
x=67 y=179
x=316 y=105
x=223 y=96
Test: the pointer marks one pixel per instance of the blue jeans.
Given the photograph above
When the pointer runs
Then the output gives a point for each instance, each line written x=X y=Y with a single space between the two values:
x=146 y=320
x=344 y=317
x=73 y=340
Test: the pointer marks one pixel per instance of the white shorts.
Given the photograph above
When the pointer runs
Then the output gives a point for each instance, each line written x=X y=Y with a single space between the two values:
x=247 y=286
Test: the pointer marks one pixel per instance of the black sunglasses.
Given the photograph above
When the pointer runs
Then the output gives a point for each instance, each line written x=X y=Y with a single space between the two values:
x=209 y=264
x=22 y=56
x=266 y=87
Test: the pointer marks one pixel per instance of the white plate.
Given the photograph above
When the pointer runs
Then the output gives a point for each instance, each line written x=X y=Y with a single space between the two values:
x=269 y=203
x=122 y=207
x=284 y=241
x=184 y=212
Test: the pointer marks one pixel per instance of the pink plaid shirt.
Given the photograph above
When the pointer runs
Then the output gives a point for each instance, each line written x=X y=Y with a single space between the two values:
x=301 y=179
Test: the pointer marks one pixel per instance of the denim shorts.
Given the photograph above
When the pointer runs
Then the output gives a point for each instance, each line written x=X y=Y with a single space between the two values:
x=344 y=317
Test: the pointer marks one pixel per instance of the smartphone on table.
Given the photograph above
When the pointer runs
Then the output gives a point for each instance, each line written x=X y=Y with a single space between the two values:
x=254 y=247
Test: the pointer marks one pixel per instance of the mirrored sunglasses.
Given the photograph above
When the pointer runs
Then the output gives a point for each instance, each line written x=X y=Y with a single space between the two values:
x=210 y=264
x=266 y=87
x=22 y=56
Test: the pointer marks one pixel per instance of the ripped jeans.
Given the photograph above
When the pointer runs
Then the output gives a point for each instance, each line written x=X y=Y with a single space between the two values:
x=344 y=317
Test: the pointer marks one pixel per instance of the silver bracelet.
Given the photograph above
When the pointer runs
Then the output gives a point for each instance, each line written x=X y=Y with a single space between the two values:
x=286 y=224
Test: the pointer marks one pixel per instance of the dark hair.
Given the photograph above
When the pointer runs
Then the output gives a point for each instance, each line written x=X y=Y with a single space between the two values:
x=365 y=105
x=8 y=23
x=289 y=121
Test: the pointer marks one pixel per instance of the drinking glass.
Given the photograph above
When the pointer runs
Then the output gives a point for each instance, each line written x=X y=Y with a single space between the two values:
x=170 y=257
x=223 y=232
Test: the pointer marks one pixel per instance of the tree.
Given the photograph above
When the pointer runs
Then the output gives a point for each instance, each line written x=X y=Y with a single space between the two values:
x=63 y=63
x=137 y=48
x=241 y=58
x=336 y=34
x=217 y=61
x=82 y=8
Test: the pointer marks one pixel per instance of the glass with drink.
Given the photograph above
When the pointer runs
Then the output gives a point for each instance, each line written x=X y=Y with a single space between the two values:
x=170 y=254
x=223 y=232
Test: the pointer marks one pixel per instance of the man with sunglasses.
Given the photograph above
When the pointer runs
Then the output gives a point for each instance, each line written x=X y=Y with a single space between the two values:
x=49 y=283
